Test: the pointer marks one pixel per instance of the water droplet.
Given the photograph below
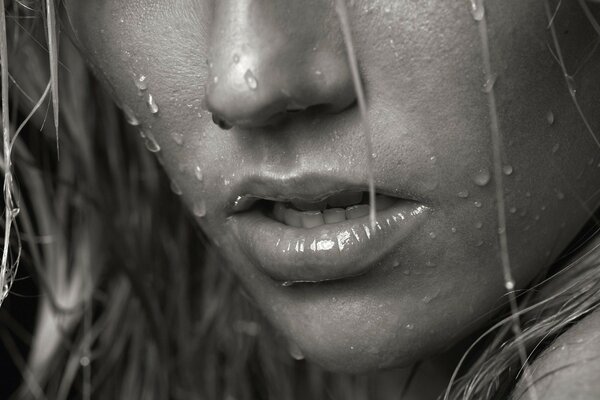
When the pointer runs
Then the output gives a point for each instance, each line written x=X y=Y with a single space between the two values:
x=479 y=225
x=130 y=116
x=509 y=285
x=453 y=230
x=508 y=170
x=152 y=104
x=141 y=83
x=216 y=79
x=176 y=189
x=198 y=173
x=295 y=352
x=177 y=137
x=432 y=235
x=199 y=208
x=151 y=144
x=410 y=327
x=236 y=58
x=477 y=10
x=555 y=148
x=488 y=86
x=477 y=204
x=479 y=243
x=287 y=283
x=513 y=210
x=571 y=85
x=501 y=231
x=482 y=177
x=251 y=80
x=84 y=361
x=550 y=118
x=463 y=194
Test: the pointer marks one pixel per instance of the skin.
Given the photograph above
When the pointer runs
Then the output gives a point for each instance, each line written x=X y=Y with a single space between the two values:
x=421 y=65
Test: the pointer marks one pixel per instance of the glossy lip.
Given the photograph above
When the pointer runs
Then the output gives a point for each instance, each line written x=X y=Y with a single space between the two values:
x=328 y=252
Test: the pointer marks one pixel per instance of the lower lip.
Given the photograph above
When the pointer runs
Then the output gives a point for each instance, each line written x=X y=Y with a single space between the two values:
x=328 y=252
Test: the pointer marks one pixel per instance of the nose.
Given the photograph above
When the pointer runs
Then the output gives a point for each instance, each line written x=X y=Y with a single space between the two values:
x=271 y=58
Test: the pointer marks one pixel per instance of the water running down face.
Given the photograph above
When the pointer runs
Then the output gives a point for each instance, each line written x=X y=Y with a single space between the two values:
x=277 y=71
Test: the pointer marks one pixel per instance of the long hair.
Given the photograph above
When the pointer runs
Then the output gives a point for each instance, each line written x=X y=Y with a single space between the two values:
x=136 y=303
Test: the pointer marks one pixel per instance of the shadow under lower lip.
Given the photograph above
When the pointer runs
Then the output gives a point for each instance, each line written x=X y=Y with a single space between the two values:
x=326 y=252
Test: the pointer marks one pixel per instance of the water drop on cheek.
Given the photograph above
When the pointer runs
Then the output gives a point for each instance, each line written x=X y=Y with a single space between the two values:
x=177 y=138
x=141 y=83
x=550 y=118
x=198 y=173
x=130 y=116
x=477 y=204
x=463 y=194
x=251 y=80
x=152 y=104
x=477 y=10
x=508 y=170
x=199 y=208
x=175 y=188
x=150 y=142
x=482 y=177
x=295 y=352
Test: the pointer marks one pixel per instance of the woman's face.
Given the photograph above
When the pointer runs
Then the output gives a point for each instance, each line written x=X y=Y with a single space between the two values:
x=430 y=271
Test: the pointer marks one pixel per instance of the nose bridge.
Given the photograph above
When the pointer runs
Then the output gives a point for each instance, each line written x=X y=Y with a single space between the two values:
x=268 y=57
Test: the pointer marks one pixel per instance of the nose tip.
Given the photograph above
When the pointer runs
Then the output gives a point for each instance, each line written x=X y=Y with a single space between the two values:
x=264 y=65
x=255 y=92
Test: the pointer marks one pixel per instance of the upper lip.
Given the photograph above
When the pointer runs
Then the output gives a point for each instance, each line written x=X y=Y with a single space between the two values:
x=307 y=186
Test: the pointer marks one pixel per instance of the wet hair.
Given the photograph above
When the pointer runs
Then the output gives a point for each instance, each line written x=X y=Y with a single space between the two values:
x=133 y=302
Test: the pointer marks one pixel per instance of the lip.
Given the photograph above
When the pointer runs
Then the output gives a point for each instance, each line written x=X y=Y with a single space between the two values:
x=327 y=252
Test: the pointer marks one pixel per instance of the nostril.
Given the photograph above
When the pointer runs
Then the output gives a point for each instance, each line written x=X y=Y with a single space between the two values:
x=221 y=123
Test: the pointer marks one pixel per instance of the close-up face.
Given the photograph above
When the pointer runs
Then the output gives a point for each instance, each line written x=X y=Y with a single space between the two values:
x=253 y=107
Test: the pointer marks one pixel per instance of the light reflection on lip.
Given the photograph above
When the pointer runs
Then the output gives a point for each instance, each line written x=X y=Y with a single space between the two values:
x=327 y=252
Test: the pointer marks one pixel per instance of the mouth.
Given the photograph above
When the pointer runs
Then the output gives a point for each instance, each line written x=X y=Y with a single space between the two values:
x=321 y=237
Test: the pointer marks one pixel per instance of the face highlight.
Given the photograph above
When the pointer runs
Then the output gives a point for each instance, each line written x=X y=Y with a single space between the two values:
x=276 y=72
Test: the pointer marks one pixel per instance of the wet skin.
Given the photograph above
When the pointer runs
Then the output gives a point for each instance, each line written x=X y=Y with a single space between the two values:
x=422 y=68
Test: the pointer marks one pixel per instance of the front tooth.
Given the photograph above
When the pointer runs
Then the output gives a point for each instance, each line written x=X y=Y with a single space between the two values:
x=334 y=215
x=357 y=211
x=311 y=219
x=383 y=202
x=292 y=218
x=344 y=199
x=308 y=206
x=279 y=211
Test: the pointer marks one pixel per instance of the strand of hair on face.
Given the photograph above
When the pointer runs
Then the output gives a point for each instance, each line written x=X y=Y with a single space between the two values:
x=7 y=271
x=53 y=57
x=342 y=12
x=478 y=11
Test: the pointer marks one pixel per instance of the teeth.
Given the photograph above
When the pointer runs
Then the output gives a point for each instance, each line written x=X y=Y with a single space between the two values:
x=279 y=211
x=344 y=199
x=312 y=219
x=293 y=218
x=357 y=211
x=334 y=215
